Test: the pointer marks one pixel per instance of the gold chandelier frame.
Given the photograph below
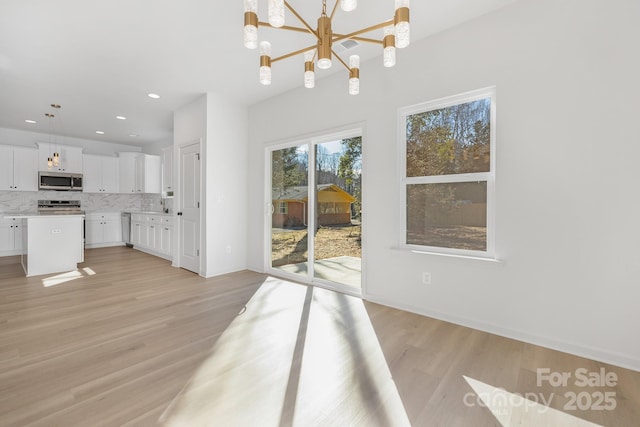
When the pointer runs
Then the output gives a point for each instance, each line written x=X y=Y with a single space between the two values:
x=325 y=37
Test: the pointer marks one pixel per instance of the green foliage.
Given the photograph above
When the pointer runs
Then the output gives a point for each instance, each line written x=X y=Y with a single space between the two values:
x=350 y=170
x=449 y=140
x=286 y=169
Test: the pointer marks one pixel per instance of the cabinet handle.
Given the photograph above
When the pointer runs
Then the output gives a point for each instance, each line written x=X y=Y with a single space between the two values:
x=166 y=229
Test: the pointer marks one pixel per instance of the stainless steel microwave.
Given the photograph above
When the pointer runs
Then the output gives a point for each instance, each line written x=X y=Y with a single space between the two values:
x=60 y=181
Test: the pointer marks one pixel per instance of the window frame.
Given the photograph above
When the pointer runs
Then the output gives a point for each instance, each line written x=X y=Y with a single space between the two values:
x=488 y=177
x=283 y=208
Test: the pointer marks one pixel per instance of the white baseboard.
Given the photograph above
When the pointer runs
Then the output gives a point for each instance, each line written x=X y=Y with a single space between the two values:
x=621 y=360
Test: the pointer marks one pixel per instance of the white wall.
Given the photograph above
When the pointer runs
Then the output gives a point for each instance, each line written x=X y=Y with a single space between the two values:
x=28 y=139
x=222 y=126
x=226 y=188
x=567 y=150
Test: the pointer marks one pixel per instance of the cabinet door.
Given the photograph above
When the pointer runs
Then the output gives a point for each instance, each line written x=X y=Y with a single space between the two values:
x=167 y=169
x=94 y=232
x=152 y=174
x=127 y=174
x=6 y=235
x=25 y=170
x=92 y=174
x=17 y=234
x=112 y=230
x=136 y=233
x=165 y=240
x=70 y=159
x=139 y=171
x=6 y=168
x=110 y=174
x=152 y=236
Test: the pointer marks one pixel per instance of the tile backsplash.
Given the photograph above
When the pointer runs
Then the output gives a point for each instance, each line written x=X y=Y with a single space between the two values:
x=18 y=201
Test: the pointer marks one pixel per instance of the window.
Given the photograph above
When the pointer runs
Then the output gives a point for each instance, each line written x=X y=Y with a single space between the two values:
x=448 y=167
x=283 y=208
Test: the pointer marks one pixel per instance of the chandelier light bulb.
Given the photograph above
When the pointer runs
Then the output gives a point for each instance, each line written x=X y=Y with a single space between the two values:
x=324 y=63
x=251 y=24
x=389 y=43
x=309 y=73
x=265 y=63
x=276 y=13
x=354 y=75
x=348 y=5
x=401 y=19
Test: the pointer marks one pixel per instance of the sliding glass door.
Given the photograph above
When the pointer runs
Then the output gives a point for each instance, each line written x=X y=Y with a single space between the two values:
x=315 y=221
x=290 y=209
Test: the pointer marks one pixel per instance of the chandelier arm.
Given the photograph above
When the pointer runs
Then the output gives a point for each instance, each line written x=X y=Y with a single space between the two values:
x=297 y=15
x=335 y=7
x=338 y=37
x=286 y=27
x=364 y=30
x=297 y=52
x=340 y=59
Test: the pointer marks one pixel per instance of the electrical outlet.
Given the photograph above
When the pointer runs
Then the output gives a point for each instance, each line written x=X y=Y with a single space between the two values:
x=426 y=278
x=228 y=249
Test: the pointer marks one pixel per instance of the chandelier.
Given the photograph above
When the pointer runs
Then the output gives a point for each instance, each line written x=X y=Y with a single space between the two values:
x=395 y=34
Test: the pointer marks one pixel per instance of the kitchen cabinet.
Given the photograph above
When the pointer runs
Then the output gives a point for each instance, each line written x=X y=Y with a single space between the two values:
x=10 y=236
x=167 y=171
x=100 y=174
x=103 y=229
x=127 y=172
x=152 y=233
x=18 y=168
x=70 y=157
x=148 y=174
x=139 y=173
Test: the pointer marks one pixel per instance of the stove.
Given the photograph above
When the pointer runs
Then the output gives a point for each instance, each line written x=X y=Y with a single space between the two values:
x=60 y=207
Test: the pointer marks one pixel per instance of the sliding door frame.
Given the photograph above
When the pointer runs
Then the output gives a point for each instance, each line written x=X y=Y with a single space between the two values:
x=311 y=141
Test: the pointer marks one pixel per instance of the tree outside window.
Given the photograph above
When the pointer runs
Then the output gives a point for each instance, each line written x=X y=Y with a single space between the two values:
x=448 y=174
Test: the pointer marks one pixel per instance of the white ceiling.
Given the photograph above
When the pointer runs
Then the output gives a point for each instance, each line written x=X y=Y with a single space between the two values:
x=99 y=59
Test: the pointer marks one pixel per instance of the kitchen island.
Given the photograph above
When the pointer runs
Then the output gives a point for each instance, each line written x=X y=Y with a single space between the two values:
x=51 y=243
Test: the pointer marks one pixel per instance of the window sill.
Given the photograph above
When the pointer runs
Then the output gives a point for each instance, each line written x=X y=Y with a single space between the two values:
x=442 y=254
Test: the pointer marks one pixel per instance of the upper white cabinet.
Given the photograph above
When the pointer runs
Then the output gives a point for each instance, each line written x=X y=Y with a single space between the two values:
x=100 y=174
x=149 y=172
x=18 y=168
x=127 y=172
x=140 y=173
x=70 y=157
x=167 y=171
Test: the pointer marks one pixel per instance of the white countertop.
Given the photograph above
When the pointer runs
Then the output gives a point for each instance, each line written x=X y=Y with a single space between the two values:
x=36 y=214
x=149 y=212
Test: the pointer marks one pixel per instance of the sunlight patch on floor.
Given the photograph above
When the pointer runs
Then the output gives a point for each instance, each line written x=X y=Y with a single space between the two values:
x=58 y=279
x=297 y=355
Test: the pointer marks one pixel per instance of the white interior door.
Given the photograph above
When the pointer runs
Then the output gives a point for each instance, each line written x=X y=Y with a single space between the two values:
x=189 y=213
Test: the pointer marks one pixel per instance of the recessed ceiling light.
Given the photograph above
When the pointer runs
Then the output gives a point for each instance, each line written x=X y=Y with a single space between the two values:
x=153 y=95
x=31 y=121
x=121 y=118
x=99 y=132
x=133 y=135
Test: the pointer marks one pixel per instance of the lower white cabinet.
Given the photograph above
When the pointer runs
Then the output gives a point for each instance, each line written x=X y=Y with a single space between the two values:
x=10 y=236
x=152 y=233
x=103 y=229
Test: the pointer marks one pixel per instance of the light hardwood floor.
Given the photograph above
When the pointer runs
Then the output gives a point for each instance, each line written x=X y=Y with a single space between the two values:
x=129 y=340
